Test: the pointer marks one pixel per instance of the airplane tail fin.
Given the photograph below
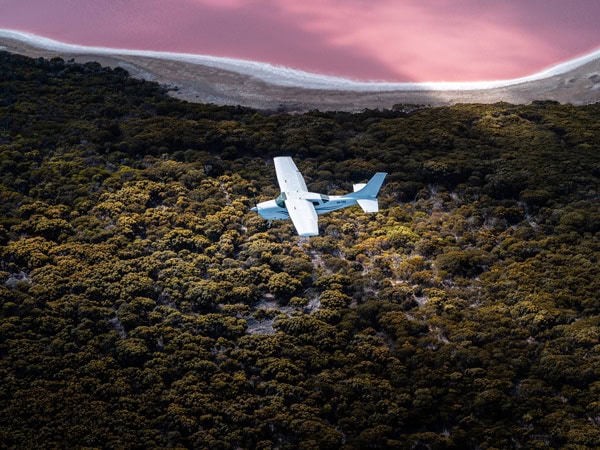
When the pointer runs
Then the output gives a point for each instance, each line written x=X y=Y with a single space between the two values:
x=366 y=194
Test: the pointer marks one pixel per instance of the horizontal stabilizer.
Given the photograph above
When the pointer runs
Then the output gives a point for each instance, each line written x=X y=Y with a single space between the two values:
x=368 y=205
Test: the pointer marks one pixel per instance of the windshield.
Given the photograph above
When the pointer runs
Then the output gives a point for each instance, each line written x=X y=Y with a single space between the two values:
x=280 y=200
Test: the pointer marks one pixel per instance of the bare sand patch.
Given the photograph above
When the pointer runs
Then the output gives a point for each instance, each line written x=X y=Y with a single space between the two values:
x=205 y=84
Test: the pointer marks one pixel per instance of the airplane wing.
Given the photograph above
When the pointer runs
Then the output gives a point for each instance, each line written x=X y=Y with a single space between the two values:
x=288 y=176
x=304 y=216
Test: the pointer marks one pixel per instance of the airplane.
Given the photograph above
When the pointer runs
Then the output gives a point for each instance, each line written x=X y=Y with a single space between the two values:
x=302 y=206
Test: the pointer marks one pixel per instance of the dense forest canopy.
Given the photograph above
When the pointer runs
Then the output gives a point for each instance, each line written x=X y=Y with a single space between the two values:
x=143 y=305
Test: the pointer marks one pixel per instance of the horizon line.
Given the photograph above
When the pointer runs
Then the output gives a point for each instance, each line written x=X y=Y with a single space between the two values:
x=290 y=77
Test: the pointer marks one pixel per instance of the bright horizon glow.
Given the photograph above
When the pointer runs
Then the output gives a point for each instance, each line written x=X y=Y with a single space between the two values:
x=424 y=41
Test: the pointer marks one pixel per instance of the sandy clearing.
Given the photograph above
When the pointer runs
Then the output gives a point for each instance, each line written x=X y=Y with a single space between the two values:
x=209 y=84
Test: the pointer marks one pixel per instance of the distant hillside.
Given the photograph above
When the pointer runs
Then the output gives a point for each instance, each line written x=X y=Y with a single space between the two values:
x=142 y=304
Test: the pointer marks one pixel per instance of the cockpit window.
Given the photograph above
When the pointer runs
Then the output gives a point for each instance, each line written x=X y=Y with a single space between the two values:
x=280 y=200
x=324 y=198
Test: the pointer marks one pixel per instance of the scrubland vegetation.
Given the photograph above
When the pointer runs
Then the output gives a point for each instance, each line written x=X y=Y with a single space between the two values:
x=143 y=305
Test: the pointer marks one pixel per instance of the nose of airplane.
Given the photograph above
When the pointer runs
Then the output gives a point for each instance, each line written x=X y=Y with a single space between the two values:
x=255 y=209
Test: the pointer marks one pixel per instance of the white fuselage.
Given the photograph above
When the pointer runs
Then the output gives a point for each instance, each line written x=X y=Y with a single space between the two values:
x=276 y=210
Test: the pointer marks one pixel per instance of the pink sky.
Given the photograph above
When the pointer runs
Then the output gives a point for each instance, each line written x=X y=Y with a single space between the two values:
x=380 y=40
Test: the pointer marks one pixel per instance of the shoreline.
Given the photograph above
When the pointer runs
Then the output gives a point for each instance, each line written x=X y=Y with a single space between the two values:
x=290 y=77
x=263 y=86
